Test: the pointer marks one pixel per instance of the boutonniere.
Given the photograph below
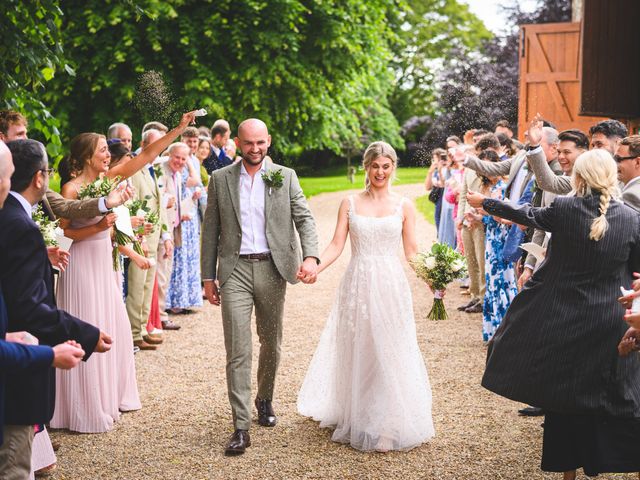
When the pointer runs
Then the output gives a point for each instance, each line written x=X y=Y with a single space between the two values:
x=272 y=179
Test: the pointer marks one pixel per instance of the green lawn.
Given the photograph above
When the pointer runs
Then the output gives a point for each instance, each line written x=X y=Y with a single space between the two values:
x=335 y=183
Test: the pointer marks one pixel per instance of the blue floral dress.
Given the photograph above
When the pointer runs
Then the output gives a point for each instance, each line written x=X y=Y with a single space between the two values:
x=184 y=289
x=500 y=276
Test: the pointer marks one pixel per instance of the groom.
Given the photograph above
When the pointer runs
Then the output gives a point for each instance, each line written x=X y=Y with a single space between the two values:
x=249 y=253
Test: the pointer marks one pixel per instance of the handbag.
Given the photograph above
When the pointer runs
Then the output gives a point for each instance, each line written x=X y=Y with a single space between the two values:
x=435 y=194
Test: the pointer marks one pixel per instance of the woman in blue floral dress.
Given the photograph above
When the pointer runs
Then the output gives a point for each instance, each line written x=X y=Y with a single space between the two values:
x=500 y=275
x=184 y=289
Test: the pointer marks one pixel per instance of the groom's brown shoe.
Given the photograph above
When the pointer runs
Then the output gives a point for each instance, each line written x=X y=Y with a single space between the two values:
x=266 y=415
x=238 y=443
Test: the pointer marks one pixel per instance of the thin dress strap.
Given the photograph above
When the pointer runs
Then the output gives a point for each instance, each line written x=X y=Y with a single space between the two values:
x=399 y=207
x=352 y=205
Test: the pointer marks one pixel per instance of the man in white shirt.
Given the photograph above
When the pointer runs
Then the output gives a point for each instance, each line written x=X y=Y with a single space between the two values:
x=628 y=159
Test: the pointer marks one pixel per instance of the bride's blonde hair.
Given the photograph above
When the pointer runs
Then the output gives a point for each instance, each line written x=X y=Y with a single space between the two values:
x=595 y=172
x=377 y=150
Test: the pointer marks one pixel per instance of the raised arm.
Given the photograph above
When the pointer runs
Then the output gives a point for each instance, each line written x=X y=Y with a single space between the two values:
x=486 y=168
x=151 y=151
x=336 y=246
x=546 y=178
x=542 y=218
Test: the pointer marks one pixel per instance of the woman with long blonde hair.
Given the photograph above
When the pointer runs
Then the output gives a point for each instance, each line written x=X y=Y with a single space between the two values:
x=557 y=345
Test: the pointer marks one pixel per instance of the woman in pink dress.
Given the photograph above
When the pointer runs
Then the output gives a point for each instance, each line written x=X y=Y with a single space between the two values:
x=90 y=398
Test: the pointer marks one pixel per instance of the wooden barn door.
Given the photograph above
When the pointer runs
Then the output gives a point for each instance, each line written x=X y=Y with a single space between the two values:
x=550 y=76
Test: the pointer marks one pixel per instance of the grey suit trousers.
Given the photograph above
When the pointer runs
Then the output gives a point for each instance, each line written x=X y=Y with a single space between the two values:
x=15 y=452
x=252 y=283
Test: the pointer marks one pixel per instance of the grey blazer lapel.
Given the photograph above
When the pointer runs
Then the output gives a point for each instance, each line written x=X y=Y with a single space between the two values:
x=268 y=203
x=233 y=183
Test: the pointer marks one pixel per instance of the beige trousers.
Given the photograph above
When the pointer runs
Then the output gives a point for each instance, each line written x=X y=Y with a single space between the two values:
x=163 y=269
x=139 y=295
x=259 y=284
x=473 y=239
x=15 y=452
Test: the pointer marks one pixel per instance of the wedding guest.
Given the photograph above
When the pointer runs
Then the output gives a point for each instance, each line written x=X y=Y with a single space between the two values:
x=447 y=231
x=26 y=281
x=452 y=141
x=628 y=159
x=220 y=133
x=142 y=278
x=122 y=132
x=367 y=378
x=184 y=291
x=471 y=232
x=202 y=153
x=503 y=127
x=607 y=134
x=432 y=182
x=172 y=169
x=538 y=356
x=231 y=151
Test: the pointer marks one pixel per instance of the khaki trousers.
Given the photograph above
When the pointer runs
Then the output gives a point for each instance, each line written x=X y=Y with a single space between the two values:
x=473 y=239
x=139 y=295
x=259 y=284
x=15 y=452
x=163 y=269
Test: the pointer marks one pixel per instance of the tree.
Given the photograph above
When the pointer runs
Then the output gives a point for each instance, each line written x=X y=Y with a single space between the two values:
x=30 y=56
x=315 y=72
x=476 y=90
x=432 y=29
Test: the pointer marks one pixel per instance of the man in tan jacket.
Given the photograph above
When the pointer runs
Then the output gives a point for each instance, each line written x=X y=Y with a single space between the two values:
x=250 y=251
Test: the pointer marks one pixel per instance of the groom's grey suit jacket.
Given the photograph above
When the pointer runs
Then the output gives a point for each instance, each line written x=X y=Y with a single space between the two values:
x=286 y=211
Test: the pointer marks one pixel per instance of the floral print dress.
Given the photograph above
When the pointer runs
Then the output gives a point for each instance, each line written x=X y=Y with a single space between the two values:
x=500 y=275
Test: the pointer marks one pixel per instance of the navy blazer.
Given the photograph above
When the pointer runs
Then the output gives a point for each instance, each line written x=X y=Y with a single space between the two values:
x=14 y=356
x=26 y=278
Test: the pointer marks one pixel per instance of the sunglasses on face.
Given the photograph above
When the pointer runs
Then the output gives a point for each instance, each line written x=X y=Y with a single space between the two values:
x=619 y=159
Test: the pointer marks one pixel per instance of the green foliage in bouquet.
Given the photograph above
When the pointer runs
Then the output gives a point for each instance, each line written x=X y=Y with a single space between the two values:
x=439 y=268
x=47 y=227
x=141 y=208
x=98 y=188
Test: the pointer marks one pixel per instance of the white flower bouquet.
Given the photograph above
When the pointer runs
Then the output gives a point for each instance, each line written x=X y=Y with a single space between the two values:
x=438 y=268
x=48 y=228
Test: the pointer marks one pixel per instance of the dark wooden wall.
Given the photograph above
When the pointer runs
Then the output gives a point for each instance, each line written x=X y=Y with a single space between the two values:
x=610 y=63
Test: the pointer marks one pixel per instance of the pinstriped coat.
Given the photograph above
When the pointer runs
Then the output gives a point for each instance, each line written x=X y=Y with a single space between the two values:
x=557 y=345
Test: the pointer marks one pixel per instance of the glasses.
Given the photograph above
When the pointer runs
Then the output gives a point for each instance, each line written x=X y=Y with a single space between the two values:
x=619 y=159
x=48 y=171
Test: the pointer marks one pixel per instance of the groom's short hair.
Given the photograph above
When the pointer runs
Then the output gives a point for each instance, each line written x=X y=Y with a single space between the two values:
x=29 y=156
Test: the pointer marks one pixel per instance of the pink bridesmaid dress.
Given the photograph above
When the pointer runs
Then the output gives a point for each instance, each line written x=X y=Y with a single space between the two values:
x=90 y=397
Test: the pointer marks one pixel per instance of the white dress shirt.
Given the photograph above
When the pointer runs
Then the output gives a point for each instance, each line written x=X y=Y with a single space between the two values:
x=252 y=213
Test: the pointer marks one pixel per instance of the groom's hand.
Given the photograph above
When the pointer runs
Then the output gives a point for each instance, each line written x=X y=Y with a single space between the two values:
x=211 y=291
x=308 y=271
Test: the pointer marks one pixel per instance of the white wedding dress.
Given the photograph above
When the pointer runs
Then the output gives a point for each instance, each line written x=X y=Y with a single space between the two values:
x=367 y=377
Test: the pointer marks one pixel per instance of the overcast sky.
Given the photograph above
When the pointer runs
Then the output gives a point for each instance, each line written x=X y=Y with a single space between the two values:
x=487 y=11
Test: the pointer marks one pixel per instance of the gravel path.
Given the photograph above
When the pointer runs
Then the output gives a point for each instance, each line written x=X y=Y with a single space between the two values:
x=185 y=421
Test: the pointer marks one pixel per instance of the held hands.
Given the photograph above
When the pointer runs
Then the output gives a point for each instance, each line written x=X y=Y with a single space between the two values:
x=475 y=199
x=136 y=221
x=308 y=271
x=67 y=355
x=535 y=130
x=58 y=258
x=107 y=221
x=211 y=292
x=104 y=343
x=627 y=300
x=629 y=343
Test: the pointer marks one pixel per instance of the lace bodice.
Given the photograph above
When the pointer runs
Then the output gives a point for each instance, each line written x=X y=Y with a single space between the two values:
x=375 y=236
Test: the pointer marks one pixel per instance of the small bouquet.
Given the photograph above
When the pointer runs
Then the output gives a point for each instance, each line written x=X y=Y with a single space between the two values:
x=48 y=228
x=140 y=208
x=101 y=188
x=438 y=268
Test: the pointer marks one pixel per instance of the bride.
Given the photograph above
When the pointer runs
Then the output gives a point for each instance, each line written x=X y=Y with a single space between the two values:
x=367 y=377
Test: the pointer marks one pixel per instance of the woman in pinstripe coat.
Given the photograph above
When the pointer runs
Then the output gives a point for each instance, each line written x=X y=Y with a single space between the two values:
x=557 y=345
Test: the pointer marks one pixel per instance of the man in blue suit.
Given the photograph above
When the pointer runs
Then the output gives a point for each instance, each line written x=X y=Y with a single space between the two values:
x=28 y=305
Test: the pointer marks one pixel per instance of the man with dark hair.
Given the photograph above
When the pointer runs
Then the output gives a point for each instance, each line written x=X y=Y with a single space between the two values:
x=220 y=133
x=487 y=141
x=503 y=126
x=607 y=134
x=26 y=281
x=628 y=159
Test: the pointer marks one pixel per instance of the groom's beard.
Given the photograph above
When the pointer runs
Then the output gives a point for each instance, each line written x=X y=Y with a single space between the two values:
x=252 y=160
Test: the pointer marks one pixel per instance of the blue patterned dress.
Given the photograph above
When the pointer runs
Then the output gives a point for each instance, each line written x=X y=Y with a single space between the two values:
x=184 y=288
x=499 y=275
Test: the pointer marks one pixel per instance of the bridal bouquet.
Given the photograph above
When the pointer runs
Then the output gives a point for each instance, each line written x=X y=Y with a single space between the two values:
x=48 y=228
x=101 y=188
x=438 y=268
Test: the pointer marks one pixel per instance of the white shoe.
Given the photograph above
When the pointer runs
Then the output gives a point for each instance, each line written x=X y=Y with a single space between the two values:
x=156 y=331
